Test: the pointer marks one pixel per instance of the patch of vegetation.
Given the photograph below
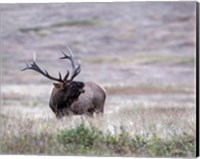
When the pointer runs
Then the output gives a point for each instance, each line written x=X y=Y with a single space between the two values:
x=164 y=59
x=81 y=139
x=150 y=89
x=187 y=61
x=88 y=140
x=24 y=143
x=84 y=140
x=103 y=59
x=88 y=22
x=143 y=59
x=38 y=29
x=178 y=146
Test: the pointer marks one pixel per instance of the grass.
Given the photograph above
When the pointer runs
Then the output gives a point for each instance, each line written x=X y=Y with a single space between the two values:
x=150 y=89
x=89 y=140
x=150 y=133
x=84 y=140
x=128 y=127
x=144 y=59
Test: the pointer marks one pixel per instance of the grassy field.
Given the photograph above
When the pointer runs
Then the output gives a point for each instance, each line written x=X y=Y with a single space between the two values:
x=144 y=121
x=28 y=136
x=29 y=127
x=142 y=54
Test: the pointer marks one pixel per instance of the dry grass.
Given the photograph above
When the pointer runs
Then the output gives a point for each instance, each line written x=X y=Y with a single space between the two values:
x=159 y=121
x=131 y=90
x=127 y=128
x=123 y=134
x=144 y=59
x=28 y=134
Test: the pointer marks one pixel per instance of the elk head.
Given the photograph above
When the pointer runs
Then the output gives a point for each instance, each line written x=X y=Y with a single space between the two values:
x=65 y=91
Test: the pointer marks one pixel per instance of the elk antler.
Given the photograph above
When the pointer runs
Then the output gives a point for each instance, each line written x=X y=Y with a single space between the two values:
x=35 y=67
x=76 y=70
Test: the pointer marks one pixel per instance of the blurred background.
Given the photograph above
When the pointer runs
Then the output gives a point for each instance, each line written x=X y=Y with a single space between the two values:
x=143 y=53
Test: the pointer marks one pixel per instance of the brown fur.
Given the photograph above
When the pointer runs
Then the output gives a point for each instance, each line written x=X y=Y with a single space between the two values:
x=91 y=101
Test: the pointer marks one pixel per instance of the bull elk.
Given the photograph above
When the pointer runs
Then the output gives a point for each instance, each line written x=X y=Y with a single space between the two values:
x=71 y=97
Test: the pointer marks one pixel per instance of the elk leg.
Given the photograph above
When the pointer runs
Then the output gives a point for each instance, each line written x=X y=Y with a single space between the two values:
x=90 y=112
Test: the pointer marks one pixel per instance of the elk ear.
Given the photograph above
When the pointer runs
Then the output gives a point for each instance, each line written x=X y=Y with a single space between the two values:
x=57 y=85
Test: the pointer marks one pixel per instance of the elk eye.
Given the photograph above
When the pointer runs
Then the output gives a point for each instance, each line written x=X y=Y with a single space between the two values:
x=57 y=85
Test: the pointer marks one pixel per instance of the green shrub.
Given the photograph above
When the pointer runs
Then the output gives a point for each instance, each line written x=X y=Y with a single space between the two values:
x=80 y=139
x=91 y=141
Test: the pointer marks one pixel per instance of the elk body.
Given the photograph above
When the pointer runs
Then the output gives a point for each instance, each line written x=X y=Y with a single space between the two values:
x=71 y=97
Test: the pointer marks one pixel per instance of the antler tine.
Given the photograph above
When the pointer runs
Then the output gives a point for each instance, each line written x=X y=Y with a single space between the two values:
x=35 y=67
x=27 y=65
x=66 y=76
x=70 y=57
x=77 y=70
